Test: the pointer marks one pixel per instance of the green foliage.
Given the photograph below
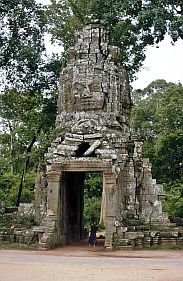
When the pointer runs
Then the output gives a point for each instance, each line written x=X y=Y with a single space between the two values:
x=158 y=118
x=159 y=110
x=155 y=86
x=21 y=39
x=16 y=221
x=173 y=202
x=23 y=60
x=92 y=209
x=93 y=185
x=92 y=198
x=9 y=183
x=28 y=103
x=25 y=116
x=168 y=159
x=132 y=24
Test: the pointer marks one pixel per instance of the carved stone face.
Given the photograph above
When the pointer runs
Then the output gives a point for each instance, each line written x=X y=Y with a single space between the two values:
x=81 y=90
x=92 y=80
x=88 y=97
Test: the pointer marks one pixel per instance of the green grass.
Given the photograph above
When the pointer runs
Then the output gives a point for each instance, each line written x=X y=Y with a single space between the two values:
x=8 y=246
x=167 y=247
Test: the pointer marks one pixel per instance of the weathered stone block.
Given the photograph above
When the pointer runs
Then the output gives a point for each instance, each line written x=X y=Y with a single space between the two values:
x=94 y=108
x=134 y=235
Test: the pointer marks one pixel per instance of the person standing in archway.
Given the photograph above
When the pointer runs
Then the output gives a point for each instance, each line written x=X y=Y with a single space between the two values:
x=93 y=238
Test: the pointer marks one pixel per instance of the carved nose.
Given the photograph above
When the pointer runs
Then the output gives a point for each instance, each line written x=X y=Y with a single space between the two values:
x=87 y=93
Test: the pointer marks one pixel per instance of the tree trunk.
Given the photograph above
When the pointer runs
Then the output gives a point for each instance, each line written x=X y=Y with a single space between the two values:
x=28 y=152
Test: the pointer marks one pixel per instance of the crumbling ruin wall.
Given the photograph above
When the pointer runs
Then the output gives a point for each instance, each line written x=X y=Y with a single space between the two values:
x=93 y=122
x=93 y=125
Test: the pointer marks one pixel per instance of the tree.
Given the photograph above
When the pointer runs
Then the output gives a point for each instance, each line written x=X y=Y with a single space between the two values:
x=173 y=202
x=168 y=157
x=26 y=123
x=29 y=84
x=158 y=85
x=158 y=118
x=23 y=113
x=23 y=60
x=22 y=43
x=93 y=185
x=92 y=197
x=132 y=24
x=160 y=109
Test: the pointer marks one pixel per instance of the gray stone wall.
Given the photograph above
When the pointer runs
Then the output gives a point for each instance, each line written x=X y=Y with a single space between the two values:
x=93 y=124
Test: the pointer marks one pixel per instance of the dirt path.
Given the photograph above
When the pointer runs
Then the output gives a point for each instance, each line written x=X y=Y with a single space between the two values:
x=78 y=264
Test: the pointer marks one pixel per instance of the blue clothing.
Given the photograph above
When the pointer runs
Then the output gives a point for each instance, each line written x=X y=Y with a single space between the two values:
x=93 y=239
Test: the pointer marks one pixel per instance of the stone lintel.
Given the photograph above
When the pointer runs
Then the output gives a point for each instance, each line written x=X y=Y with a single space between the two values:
x=81 y=166
x=92 y=136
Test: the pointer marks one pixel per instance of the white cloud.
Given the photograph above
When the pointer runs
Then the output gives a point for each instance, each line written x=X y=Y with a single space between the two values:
x=165 y=62
x=45 y=2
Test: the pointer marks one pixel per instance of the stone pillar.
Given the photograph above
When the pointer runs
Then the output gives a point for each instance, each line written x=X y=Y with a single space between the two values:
x=53 y=193
x=40 y=192
x=103 y=204
x=111 y=204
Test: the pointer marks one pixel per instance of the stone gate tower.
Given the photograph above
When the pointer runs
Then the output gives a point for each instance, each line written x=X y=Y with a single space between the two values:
x=94 y=107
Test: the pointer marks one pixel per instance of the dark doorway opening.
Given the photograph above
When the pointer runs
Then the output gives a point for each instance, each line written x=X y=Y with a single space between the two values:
x=72 y=205
x=81 y=203
x=82 y=148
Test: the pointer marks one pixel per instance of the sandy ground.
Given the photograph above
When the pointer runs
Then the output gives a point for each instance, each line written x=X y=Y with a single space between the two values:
x=77 y=263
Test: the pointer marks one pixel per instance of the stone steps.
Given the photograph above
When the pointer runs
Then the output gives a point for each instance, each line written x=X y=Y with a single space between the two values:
x=125 y=248
x=42 y=246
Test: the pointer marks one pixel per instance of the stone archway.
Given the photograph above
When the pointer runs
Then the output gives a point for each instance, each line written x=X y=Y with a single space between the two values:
x=65 y=203
x=72 y=205
x=93 y=125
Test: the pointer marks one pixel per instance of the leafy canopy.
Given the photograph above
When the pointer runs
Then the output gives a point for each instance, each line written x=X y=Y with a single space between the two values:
x=158 y=109
x=21 y=39
x=132 y=24
x=158 y=118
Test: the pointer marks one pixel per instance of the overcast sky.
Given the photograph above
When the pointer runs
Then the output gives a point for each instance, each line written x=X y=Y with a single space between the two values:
x=165 y=62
